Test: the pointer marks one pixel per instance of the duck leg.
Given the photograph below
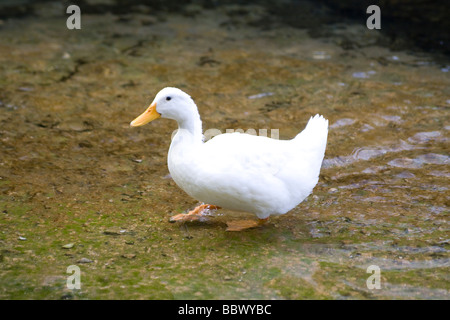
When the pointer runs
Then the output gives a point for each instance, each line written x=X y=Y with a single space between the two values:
x=240 y=225
x=193 y=215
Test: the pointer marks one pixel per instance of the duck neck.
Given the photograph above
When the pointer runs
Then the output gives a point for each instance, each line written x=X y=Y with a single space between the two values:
x=191 y=128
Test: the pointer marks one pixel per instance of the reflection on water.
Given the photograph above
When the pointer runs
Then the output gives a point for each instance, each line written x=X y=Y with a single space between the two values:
x=78 y=186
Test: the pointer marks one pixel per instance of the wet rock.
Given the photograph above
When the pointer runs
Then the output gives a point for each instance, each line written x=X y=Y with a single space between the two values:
x=366 y=127
x=423 y=137
x=433 y=158
x=367 y=153
x=85 y=260
x=437 y=173
x=112 y=232
x=342 y=122
x=395 y=119
x=25 y=89
x=261 y=95
x=429 y=158
x=363 y=75
x=405 y=175
x=405 y=163
x=321 y=55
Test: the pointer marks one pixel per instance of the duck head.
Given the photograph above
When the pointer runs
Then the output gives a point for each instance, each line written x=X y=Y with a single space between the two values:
x=170 y=103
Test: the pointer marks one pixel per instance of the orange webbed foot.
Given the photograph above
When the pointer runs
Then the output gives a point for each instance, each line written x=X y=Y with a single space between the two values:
x=199 y=213
x=240 y=225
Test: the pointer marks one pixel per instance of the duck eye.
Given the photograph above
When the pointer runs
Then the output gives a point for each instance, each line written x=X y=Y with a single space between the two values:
x=168 y=98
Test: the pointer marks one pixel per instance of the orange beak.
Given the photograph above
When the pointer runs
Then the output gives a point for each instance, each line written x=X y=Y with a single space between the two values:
x=149 y=115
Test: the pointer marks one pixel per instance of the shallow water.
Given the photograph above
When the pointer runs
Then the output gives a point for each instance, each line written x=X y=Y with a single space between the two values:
x=78 y=186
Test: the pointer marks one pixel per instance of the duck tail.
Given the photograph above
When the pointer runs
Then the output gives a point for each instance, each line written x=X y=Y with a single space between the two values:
x=313 y=139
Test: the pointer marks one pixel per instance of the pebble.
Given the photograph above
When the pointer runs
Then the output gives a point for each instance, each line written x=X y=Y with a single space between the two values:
x=423 y=137
x=366 y=154
x=321 y=55
x=363 y=75
x=366 y=127
x=433 y=158
x=26 y=89
x=85 y=260
x=360 y=75
x=429 y=158
x=405 y=175
x=68 y=246
x=396 y=119
x=261 y=95
x=343 y=122
x=405 y=163
x=112 y=232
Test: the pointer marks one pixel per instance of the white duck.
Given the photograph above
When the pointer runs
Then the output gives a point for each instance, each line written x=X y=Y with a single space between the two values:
x=237 y=171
